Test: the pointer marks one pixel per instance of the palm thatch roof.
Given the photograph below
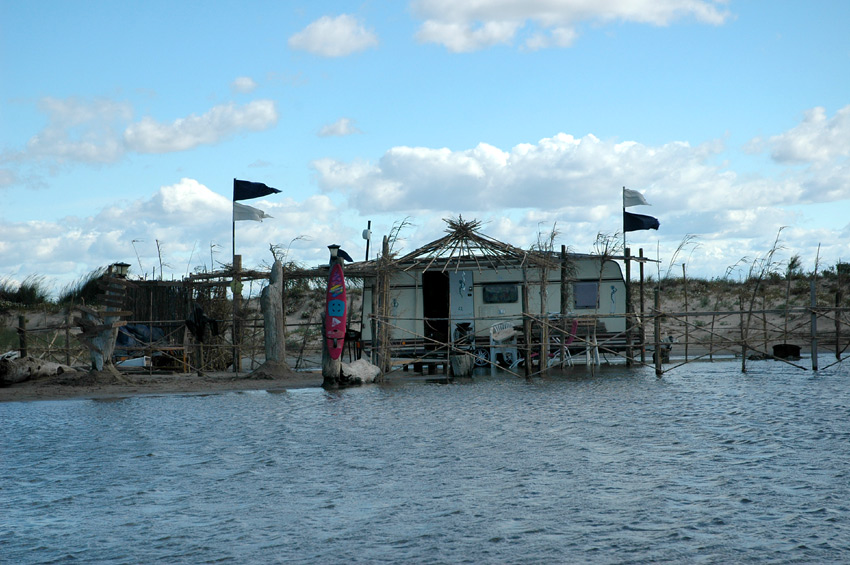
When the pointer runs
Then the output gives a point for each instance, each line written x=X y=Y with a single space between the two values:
x=465 y=247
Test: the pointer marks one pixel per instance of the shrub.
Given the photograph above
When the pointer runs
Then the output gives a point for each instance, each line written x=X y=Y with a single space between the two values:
x=83 y=290
x=30 y=292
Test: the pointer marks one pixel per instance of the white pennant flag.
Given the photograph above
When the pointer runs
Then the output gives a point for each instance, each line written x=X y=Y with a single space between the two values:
x=243 y=212
x=633 y=198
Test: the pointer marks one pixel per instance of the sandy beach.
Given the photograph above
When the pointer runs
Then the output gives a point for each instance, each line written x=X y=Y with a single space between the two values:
x=105 y=384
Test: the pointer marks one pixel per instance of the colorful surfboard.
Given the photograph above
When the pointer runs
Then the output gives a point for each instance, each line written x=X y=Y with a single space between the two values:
x=336 y=312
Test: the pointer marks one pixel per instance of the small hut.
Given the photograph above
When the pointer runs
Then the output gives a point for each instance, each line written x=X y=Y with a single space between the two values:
x=468 y=292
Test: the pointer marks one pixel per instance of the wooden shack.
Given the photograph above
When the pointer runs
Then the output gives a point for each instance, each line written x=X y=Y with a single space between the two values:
x=468 y=292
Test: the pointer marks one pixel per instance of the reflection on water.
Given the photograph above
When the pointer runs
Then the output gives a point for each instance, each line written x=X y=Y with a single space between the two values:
x=706 y=464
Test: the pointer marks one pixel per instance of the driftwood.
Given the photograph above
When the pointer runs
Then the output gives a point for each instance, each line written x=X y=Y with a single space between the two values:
x=13 y=371
x=271 y=301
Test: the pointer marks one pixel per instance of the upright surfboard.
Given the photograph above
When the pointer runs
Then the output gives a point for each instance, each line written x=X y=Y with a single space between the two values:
x=335 y=315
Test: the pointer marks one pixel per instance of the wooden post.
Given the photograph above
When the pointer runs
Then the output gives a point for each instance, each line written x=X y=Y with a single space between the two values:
x=764 y=321
x=642 y=314
x=838 y=321
x=384 y=307
x=657 y=324
x=544 y=321
x=526 y=321
x=236 y=287
x=68 y=337
x=629 y=355
x=814 y=304
x=373 y=323
x=687 y=320
x=22 y=335
x=565 y=297
x=743 y=336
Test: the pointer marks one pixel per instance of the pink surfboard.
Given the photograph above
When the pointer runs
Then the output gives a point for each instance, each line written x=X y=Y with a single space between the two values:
x=335 y=313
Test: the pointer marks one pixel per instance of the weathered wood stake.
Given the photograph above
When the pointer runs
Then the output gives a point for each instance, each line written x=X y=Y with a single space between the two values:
x=628 y=260
x=657 y=324
x=526 y=321
x=22 y=335
x=838 y=322
x=642 y=336
x=743 y=336
x=814 y=304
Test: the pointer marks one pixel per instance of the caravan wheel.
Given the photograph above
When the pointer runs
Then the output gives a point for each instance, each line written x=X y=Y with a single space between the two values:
x=482 y=356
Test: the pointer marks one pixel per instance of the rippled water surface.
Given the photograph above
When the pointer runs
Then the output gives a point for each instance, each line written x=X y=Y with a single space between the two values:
x=705 y=465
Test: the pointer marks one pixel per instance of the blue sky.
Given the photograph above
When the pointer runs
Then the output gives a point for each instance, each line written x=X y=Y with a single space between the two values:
x=122 y=125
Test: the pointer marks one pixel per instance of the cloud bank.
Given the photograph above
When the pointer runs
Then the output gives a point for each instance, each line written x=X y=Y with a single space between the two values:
x=99 y=131
x=469 y=26
x=334 y=37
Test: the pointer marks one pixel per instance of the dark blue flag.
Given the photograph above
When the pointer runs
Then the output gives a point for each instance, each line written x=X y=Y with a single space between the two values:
x=634 y=222
x=245 y=190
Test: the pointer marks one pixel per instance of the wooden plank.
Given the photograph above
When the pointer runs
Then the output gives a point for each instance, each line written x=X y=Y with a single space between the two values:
x=95 y=330
x=87 y=310
x=112 y=284
x=110 y=300
x=116 y=313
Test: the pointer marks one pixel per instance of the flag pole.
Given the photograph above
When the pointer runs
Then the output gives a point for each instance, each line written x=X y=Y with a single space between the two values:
x=624 y=218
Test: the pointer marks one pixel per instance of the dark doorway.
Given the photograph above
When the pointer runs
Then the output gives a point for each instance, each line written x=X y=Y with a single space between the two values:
x=435 y=307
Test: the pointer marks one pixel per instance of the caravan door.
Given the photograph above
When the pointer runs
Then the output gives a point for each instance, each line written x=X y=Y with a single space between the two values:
x=461 y=307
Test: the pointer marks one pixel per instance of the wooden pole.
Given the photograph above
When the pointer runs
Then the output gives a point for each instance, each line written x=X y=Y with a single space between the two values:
x=629 y=309
x=384 y=307
x=685 y=286
x=764 y=320
x=237 y=312
x=564 y=305
x=68 y=337
x=373 y=321
x=526 y=321
x=22 y=335
x=814 y=304
x=544 y=320
x=838 y=321
x=642 y=313
x=657 y=324
x=743 y=336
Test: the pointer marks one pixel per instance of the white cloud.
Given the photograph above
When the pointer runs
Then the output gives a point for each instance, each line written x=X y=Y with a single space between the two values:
x=7 y=177
x=97 y=132
x=150 y=136
x=557 y=172
x=577 y=182
x=79 y=130
x=334 y=37
x=341 y=127
x=243 y=85
x=816 y=139
x=468 y=26
x=461 y=37
x=186 y=218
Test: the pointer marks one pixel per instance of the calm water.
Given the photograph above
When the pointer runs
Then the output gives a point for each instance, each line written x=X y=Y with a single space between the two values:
x=705 y=465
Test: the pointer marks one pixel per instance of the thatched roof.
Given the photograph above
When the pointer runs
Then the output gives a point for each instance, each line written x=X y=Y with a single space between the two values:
x=465 y=247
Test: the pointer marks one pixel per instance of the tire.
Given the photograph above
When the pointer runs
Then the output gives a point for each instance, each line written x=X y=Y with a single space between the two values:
x=482 y=356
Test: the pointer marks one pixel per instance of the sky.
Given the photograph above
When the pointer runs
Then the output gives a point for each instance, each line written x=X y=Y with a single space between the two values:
x=123 y=125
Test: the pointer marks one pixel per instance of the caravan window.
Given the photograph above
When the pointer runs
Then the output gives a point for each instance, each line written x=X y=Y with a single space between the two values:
x=500 y=293
x=586 y=294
